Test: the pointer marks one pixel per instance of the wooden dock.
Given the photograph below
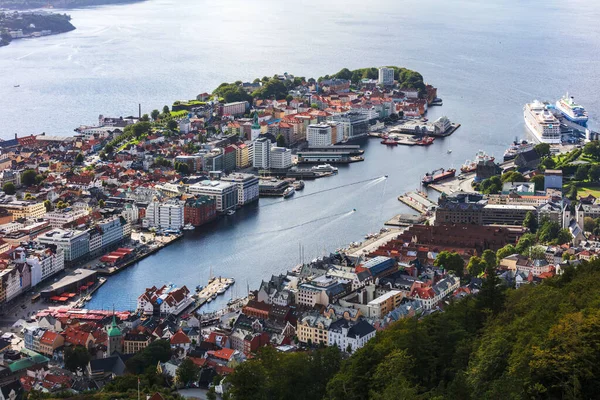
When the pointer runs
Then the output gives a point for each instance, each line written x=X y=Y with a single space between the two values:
x=418 y=201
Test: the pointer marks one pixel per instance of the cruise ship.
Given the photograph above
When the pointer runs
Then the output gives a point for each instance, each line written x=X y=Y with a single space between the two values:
x=571 y=110
x=544 y=126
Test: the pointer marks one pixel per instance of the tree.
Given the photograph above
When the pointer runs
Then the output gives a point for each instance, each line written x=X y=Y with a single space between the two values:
x=548 y=231
x=572 y=192
x=476 y=266
x=344 y=73
x=538 y=180
x=537 y=253
x=506 y=251
x=564 y=236
x=589 y=224
x=187 y=372
x=491 y=296
x=28 y=177
x=172 y=125
x=79 y=158
x=592 y=149
x=101 y=203
x=489 y=257
x=314 y=106
x=102 y=156
x=154 y=114
x=289 y=98
x=513 y=176
x=39 y=178
x=491 y=185
x=450 y=262
x=525 y=242
x=109 y=148
x=548 y=163
x=145 y=118
x=543 y=149
x=9 y=188
x=159 y=350
x=76 y=357
x=280 y=140
x=48 y=205
x=166 y=110
x=594 y=173
x=581 y=173
x=530 y=222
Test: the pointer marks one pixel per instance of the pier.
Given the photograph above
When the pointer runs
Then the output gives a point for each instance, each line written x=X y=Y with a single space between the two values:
x=418 y=201
x=402 y=220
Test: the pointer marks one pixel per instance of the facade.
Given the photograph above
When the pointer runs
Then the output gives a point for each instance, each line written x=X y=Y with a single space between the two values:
x=134 y=343
x=167 y=215
x=319 y=135
x=262 y=153
x=553 y=179
x=112 y=231
x=351 y=125
x=24 y=209
x=505 y=214
x=235 y=108
x=313 y=329
x=60 y=218
x=75 y=244
x=242 y=156
x=224 y=193
x=199 y=210
x=280 y=158
x=386 y=76
x=247 y=187
x=349 y=335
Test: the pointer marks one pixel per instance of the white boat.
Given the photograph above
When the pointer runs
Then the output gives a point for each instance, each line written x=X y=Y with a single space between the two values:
x=449 y=151
x=188 y=227
x=571 y=110
x=324 y=168
x=209 y=300
x=221 y=290
x=230 y=212
x=288 y=192
x=542 y=124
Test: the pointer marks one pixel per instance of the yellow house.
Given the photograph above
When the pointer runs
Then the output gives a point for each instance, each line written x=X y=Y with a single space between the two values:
x=313 y=329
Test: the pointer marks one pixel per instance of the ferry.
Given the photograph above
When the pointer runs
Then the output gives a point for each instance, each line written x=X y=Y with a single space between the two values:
x=540 y=121
x=288 y=192
x=324 y=168
x=516 y=148
x=438 y=175
x=471 y=166
x=571 y=110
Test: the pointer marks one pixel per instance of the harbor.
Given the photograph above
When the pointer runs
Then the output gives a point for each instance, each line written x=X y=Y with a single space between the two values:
x=418 y=201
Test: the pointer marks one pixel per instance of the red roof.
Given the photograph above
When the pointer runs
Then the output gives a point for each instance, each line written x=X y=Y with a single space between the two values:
x=180 y=338
x=48 y=337
x=224 y=354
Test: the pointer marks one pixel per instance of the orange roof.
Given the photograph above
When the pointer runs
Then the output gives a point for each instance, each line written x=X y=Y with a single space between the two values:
x=180 y=338
x=48 y=337
x=224 y=354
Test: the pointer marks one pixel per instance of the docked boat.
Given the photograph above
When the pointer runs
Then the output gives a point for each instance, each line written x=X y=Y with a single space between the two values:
x=437 y=102
x=298 y=185
x=208 y=300
x=221 y=290
x=471 y=166
x=324 y=168
x=438 y=175
x=188 y=227
x=288 y=192
x=230 y=212
x=542 y=124
x=389 y=142
x=426 y=141
x=516 y=148
x=571 y=110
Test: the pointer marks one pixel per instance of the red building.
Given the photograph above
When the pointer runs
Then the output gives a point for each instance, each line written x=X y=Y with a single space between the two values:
x=199 y=210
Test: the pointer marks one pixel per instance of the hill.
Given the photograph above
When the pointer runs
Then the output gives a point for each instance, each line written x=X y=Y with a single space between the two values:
x=537 y=342
x=31 y=4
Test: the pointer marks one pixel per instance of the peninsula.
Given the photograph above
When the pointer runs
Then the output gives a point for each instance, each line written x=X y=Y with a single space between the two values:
x=21 y=25
x=32 y=4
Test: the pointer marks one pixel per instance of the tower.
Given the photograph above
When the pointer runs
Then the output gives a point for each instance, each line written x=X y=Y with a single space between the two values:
x=115 y=338
x=255 y=131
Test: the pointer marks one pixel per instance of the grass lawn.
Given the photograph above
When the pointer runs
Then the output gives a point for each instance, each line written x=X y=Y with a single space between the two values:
x=594 y=190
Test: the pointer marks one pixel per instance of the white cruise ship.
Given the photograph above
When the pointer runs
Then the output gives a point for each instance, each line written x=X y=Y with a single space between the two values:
x=571 y=110
x=544 y=126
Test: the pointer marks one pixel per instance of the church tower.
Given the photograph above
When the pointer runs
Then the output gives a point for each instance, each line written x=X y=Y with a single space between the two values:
x=115 y=338
x=255 y=131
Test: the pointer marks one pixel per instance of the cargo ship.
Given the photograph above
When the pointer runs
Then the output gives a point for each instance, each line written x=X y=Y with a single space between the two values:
x=471 y=166
x=438 y=175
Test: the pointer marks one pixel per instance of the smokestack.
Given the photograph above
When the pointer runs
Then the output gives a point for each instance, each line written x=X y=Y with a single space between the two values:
x=140 y=110
x=15 y=136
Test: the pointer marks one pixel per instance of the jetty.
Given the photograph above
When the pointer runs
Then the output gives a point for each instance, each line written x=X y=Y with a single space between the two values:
x=418 y=201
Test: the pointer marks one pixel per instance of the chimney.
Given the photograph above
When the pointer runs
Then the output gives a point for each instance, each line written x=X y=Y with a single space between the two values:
x=15 y=136
x=140 y=110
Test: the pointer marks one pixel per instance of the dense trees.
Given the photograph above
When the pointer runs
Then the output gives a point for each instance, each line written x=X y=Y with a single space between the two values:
x=187 y=372
x=513 y=176
x=476 y=266
x=530 y=222
x=543 y=149
x=538 y=181
x=28 y=177
x=273 y=89
x=230 y=92
x=450 y=262
x=159 y=350
x=154 y=114
x=592 y=149
x=9 y=188
x=280 y=141
x=76 y=357
x=491 y=185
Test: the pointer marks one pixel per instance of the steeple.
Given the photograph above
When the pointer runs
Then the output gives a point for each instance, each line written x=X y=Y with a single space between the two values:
x=255 y=124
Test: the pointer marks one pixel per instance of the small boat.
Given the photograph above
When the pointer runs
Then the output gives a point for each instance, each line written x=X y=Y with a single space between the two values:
x=188 y=227
x=449 y=151
x=298 y=185
x=221 y=290
x=209 y=300
x=230 y=212
x=324 y=168
x=288 y=192
x=426 y=141
x=214 y=296
x=17 y=85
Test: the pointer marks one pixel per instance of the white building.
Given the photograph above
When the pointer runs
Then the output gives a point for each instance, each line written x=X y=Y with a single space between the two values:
x=131 y=213
x=168 y=215
x=280 y=158
x=112 y=231
x=318 y=135
x=45 y=263
x=386 y=76
x=59 y=218
x=349 y=335
x=247 y=187
x=224 y=193
x=262 y=153
x=75 y=244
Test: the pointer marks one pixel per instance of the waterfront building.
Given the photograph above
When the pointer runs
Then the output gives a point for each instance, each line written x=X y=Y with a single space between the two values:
x=322 y=290
x=280 y=158
x=242 y=159
x=167 y=215
x=349 y=335
x=43 y=262
x=200 y=210
x=112 y=231
x=352 y=125
x=60 y=218
x=386 y=76
x=235 y=108
x=247 y=187
x=75 y=244
x=319 y=135
x=164 y=300
x=262 y=153
x=540 y=121
x=24 y=209
x=224 y=193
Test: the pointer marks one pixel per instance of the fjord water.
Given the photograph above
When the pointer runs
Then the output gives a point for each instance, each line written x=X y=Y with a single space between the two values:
x=487 y=58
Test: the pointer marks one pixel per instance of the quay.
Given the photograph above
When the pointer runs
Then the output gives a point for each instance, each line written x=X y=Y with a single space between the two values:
x=164 y=241
x=418 y=201
x=358 y=250
x=461 y=183
x=450 y=131
x=402 y=220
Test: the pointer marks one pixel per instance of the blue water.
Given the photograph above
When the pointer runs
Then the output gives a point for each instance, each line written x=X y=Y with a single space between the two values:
x=487 y=58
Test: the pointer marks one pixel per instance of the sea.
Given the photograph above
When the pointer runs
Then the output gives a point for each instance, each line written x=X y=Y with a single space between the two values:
x=487 y=58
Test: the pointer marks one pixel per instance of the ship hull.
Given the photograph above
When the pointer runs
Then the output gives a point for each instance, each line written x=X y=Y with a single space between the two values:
x=537 y=135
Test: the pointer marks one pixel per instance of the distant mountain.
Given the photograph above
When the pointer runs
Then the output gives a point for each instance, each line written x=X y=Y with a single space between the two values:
x=29 y=4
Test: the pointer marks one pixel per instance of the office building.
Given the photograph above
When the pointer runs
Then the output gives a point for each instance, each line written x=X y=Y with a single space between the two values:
x=75 y=244
x=224 y=193
x=247 y=187
x=318 y=135
x=262 y=153
x=280 y=158
x=386 y=76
